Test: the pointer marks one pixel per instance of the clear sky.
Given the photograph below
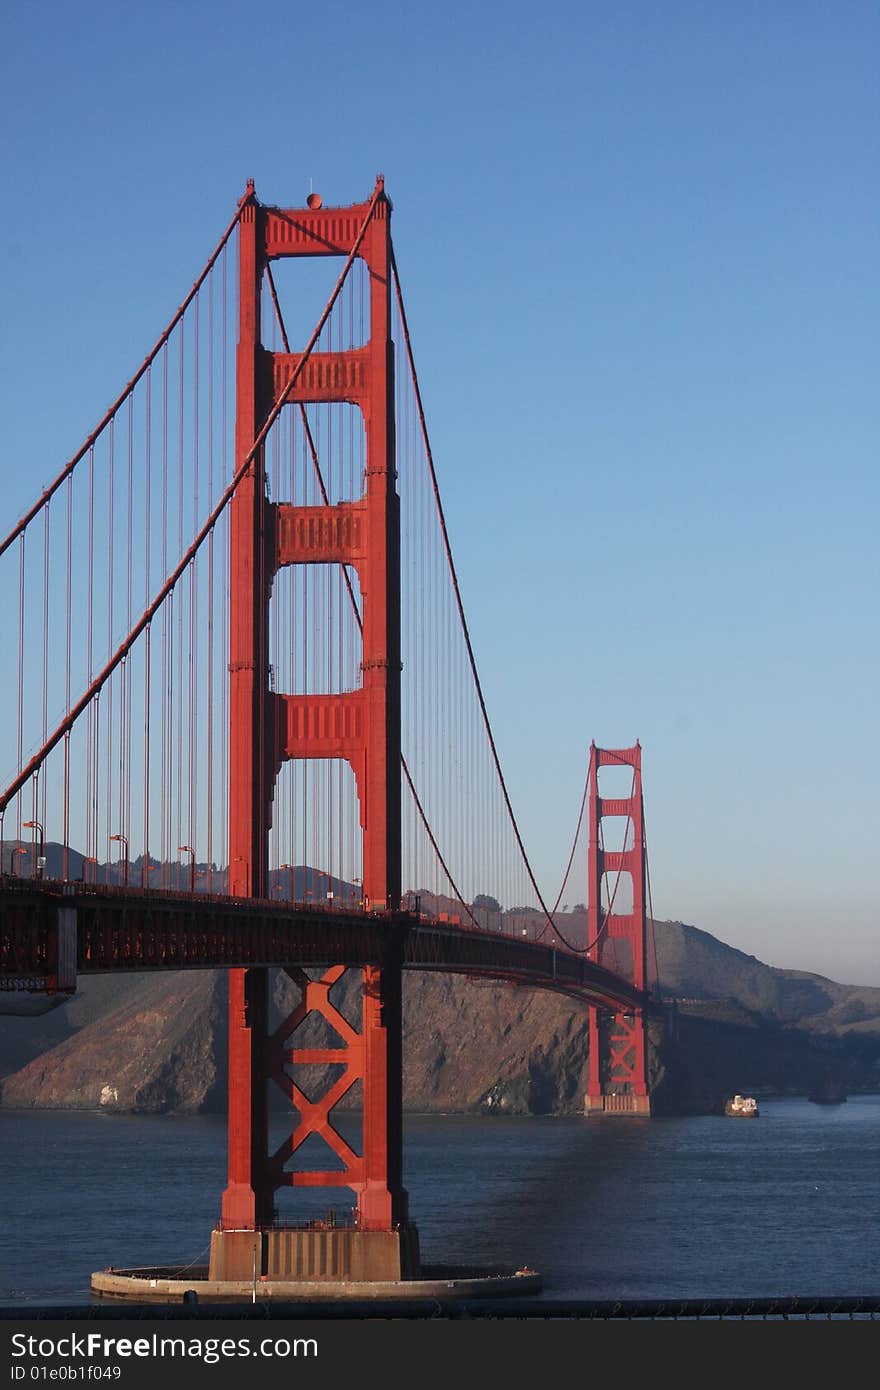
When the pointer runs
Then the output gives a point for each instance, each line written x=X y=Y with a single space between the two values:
x=638 y=244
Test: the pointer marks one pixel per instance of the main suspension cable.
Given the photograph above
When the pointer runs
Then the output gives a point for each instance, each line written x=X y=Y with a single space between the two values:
x=460 y=606
x=146 y=617
x=129 y=387
x=574 y=843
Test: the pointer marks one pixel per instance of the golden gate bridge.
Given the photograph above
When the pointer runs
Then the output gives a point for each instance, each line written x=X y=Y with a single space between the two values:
x=234 y=631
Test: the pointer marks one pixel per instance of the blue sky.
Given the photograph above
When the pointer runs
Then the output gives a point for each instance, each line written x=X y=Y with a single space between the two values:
x=638 y=244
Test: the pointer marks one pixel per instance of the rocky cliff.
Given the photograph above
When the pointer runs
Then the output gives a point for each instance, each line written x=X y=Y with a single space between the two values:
x=157 y=1043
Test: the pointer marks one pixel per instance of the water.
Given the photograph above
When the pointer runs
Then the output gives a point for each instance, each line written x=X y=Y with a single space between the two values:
x=699 y=1207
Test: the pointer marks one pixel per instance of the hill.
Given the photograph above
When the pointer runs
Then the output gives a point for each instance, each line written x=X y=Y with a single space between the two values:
x=157 y=1043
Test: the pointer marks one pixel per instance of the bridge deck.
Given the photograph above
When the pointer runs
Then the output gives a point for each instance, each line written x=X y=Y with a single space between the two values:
x=114 y=929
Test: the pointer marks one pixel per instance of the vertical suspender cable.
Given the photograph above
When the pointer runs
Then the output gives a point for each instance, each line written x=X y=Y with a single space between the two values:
x=224 y=550
x=92 y=751
x=454 y=578
x=165 y=769
x=111 y=500
x=125 y=771
x=191 y=655
x=148 y=500
x=145 y=861
x=40 y=813
x=178 y=657
x=65 y=853
x=209 y=731
x=95 y=782
x=20 y=669
x=194 y=651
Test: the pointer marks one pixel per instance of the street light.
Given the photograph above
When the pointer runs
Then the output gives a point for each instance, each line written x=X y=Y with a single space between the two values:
x=289 y=868
x=188 y=849
x=19 y=849
x=41 y=858
x=90 y=859
x=123 y=840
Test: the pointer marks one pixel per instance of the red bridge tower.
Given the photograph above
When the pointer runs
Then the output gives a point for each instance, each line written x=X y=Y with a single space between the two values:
x=363 y=727
x=618 y=1042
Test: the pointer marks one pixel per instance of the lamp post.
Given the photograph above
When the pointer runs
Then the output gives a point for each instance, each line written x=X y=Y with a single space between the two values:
x=188 y=849
x=19 y=849
x=89 y=859
x=40 y=864
x=289 y=868
x=124 y=841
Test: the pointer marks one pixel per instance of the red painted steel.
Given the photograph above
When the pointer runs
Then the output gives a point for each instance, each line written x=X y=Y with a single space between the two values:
x=362 y=727
x=55 y=932
x=119 y=928
x=618 y=1044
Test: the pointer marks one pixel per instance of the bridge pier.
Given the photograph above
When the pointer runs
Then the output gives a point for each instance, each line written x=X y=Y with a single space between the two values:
x=381 y=1244
x=617 y=1105
x=323 y=1256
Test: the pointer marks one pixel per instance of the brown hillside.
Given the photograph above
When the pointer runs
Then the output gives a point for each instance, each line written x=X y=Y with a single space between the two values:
x=157 y=1042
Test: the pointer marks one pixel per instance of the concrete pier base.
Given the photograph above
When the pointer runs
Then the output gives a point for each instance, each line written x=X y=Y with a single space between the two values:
x=339 y=1253
x=617 y=1105
x=440 y=1283
x=313 y=1263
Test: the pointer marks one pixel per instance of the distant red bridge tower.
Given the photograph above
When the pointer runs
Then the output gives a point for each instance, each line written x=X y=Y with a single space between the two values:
x=618 y=1082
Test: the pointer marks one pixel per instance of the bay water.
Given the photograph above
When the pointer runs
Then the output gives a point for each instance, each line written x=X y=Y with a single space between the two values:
x=785 y=1205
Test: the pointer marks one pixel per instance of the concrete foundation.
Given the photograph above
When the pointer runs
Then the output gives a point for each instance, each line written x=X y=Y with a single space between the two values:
x=335 y=1254
x=443 y=1284
x=617 y=1105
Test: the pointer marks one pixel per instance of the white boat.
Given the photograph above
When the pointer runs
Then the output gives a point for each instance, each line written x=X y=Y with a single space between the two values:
x=746 y=1106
